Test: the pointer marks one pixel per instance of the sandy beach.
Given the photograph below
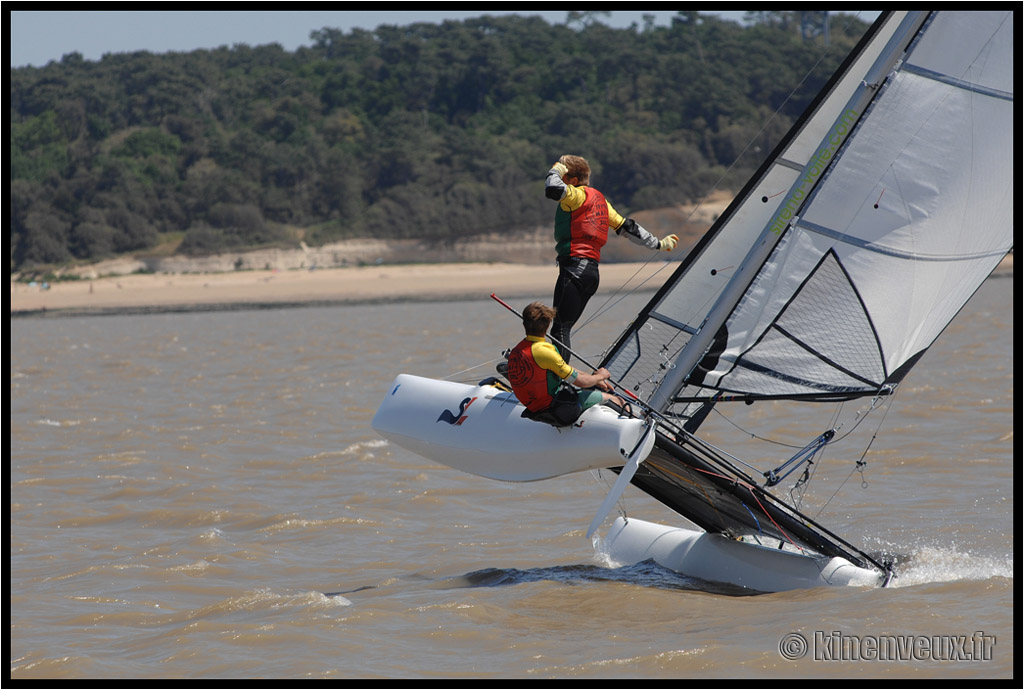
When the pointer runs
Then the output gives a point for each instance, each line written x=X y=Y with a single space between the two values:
x=142 y=293
x=145 y=293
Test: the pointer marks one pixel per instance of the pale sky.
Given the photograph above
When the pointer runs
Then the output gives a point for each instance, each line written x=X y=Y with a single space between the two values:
x=37 y=37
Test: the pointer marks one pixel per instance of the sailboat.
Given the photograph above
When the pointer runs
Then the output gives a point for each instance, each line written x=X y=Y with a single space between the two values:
x=828 y=277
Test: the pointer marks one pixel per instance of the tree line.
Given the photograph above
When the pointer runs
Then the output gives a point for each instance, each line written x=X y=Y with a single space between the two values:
x=428 y=130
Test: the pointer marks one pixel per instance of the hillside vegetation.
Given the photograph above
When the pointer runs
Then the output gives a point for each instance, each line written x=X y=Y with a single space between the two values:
x=430 y=131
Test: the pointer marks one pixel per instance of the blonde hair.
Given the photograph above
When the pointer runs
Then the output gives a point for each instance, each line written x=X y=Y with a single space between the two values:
x=577 y=167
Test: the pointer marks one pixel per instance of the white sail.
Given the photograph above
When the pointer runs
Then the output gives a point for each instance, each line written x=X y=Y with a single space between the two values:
x=889 y=222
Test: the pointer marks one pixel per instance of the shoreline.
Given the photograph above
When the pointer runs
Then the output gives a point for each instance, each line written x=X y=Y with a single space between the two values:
x=156 y=293
x=277 y=289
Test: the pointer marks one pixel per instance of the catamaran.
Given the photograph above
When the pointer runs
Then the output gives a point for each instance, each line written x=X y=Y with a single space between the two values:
x=827 y=278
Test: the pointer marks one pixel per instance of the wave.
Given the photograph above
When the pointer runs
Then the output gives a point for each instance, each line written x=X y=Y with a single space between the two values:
x=644 y=574
x=932 y=564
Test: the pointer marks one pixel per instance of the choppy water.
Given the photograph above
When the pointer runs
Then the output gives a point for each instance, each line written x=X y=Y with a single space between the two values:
x=201 y=495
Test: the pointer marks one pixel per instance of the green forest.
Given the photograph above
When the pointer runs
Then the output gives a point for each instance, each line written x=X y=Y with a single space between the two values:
x=429 y=130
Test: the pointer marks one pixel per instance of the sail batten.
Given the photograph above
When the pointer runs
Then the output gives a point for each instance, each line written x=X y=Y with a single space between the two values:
x=959 y=83
x=894 y=252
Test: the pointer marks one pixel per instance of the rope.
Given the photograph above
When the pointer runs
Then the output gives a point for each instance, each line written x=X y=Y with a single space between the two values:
x=861 y=463
x=489 y=362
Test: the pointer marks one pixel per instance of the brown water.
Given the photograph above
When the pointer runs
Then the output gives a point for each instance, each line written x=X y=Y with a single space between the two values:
x=201 y=495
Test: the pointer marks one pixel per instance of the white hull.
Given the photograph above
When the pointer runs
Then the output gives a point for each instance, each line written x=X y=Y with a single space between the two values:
x=480 y=430
x=715 y=558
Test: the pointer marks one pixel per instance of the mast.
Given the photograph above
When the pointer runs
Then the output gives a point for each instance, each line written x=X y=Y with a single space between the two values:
x=786 y=214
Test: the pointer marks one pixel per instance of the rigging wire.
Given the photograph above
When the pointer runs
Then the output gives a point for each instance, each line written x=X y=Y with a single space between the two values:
x=858 y=419
x=861 y=463
x=799 y=489
x=861 y=415
x=752 y=434
x=452 y=376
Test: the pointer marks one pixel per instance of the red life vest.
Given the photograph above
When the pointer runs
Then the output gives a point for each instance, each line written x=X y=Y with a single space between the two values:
x=583 y=232
x=529 y=380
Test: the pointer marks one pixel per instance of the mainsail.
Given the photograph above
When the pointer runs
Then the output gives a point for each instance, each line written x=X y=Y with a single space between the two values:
x=837 y=266
x=897 y=181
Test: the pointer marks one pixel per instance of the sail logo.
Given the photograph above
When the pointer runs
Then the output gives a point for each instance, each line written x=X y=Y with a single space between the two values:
x=456 y=419
x=815 y=167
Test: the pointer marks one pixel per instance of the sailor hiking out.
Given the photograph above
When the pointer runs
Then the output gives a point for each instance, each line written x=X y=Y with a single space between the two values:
x=582 y=220
x=551 y=390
